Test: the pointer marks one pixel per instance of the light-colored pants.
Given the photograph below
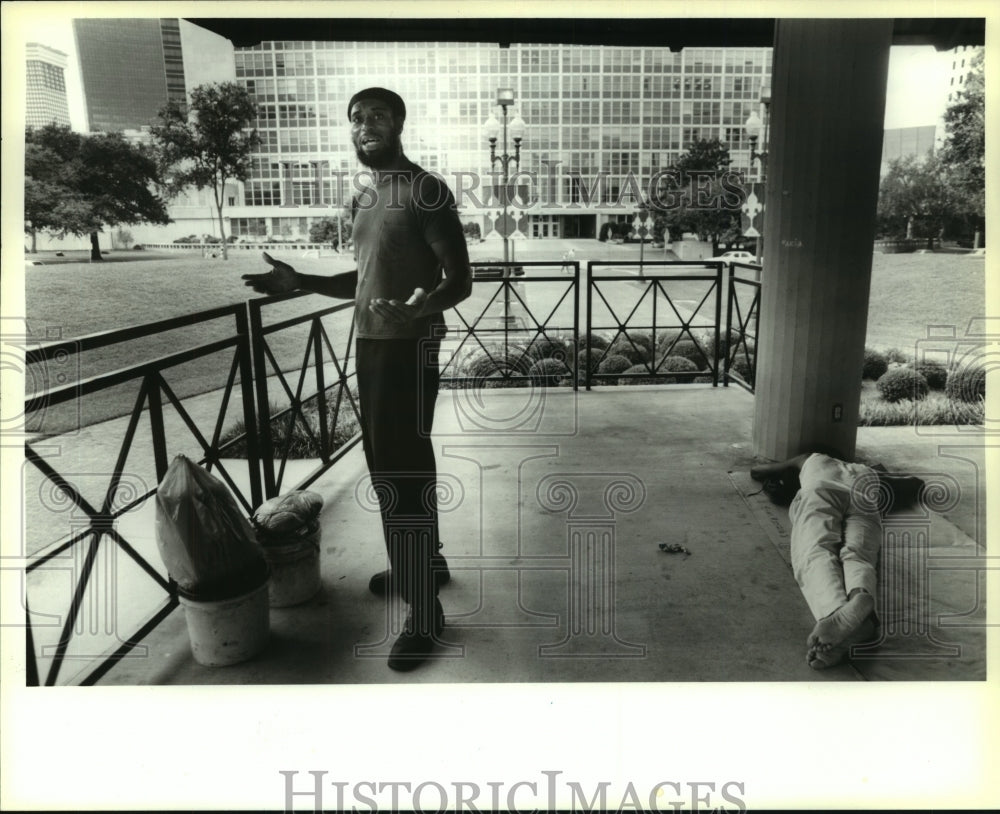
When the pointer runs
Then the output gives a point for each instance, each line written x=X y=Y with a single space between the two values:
x=835 y=536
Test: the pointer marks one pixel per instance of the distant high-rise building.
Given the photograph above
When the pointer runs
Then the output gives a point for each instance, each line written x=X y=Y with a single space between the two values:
x=961 y=67
x=130 y=69
x=46 y=86
x=907 y=141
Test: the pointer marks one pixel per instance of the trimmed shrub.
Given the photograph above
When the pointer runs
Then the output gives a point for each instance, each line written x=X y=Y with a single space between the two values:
x=966 y=384
x=875 y=365
x=679 y=364
x=614 y=363
x=896 y=355
x=548 y=372
x=718 y=349
x=495 y=363
x=935 y=373
x=902 y=383
x=599 y=341
x=543 y=348
x=581 y=360
x=665 y=339
x=636 y=348
x=936 y=409
x=740 y=367
x=689 y=350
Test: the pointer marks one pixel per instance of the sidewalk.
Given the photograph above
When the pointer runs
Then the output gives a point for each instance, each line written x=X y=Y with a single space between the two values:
x=728 y=611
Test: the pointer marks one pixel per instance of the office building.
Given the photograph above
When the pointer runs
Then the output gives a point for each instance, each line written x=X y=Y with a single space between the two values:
x=601 y=121
x=907 y=141
x=960 y=68
x=130 y=68
x=45 y=76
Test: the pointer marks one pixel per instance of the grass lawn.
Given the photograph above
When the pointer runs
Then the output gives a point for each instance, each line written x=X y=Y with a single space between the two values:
x=909 y=292
x=69 y=299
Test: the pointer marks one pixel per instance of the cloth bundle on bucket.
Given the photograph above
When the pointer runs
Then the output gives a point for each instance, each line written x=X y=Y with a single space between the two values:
x=206 y=542
x=288 y=528
x=287 y=517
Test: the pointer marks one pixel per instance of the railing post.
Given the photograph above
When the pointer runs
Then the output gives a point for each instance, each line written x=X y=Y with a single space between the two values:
x=263 y=427
x=718 y=319
x=247 y=396
x=590 y=320
x=730 y=294
x=324 y=430
x=576 y=326
x=151 y=383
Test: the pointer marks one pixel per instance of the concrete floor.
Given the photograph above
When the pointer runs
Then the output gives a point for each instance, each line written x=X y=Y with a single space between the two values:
x=537 y=492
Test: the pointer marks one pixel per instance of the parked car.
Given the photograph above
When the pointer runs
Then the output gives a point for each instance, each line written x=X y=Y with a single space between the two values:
x=735 y=256
x=480 y=272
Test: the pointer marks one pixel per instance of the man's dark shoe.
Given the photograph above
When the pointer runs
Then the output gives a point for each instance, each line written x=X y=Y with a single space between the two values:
x=379 y=583
x=417 y=640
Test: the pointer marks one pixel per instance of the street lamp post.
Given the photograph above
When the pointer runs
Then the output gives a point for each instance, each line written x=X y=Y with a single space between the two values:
x=515 y=128
x=754 y=126
x=642 y=226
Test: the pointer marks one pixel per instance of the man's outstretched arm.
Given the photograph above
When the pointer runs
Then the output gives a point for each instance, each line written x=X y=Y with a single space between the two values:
x=282 y=278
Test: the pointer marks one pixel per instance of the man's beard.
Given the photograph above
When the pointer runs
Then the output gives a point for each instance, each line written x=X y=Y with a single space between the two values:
x=381 y=158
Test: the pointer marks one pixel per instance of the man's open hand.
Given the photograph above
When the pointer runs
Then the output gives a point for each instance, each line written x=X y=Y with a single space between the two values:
x=281 y=279
x=400 y=312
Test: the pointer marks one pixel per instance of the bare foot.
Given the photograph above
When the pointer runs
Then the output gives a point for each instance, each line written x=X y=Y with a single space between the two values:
x=833 y=635
x=820 y=659
x=833 y=629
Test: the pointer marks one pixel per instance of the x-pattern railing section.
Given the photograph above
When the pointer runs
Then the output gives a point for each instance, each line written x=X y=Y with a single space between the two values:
x=305 y=360
x=658 y=323
x=98 y=547
x=520 y=326
x=742 y=312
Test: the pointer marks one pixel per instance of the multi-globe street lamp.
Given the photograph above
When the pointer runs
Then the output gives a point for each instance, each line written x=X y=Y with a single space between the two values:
x=755 y=128
x=515 y=129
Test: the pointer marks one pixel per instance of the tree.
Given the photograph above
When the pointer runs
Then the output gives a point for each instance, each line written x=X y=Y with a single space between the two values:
x=331 y=230
x=914 y=198
x=963 y=154
x=78 y=184
x=698 y=193
x=209 y=142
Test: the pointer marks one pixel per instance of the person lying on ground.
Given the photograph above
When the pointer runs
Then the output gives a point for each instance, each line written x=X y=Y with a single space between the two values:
x=836 y=511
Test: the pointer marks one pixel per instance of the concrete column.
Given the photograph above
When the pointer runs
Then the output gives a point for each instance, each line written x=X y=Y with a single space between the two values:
x=827 y=110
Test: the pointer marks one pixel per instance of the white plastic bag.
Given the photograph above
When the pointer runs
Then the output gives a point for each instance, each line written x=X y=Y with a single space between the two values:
x=207 y=545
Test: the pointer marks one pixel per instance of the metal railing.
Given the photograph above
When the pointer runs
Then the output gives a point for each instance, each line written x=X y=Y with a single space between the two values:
x=653 y=317
x=742 y=313
x=511 y=344
x=93 y=522
x=314 y=417
x=306 y=359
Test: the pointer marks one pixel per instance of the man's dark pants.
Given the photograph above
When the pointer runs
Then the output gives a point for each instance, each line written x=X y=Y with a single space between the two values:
x=398 y=383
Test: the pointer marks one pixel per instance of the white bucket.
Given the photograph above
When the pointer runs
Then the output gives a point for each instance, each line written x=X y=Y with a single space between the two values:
x=294 y=571
x=230 y=630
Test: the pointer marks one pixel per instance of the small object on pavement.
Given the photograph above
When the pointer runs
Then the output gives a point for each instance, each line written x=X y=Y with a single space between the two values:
x=674 y=548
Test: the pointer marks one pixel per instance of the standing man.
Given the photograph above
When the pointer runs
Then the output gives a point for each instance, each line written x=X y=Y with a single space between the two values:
x=568 y=257
x=406 y=233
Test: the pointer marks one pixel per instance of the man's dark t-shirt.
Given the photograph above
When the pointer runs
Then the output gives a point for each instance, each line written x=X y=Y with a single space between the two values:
x=395 y=222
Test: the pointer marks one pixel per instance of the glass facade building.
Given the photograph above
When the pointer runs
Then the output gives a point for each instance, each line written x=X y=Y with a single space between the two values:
x=45 y=86
x=601 y=122
x=130 y=68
